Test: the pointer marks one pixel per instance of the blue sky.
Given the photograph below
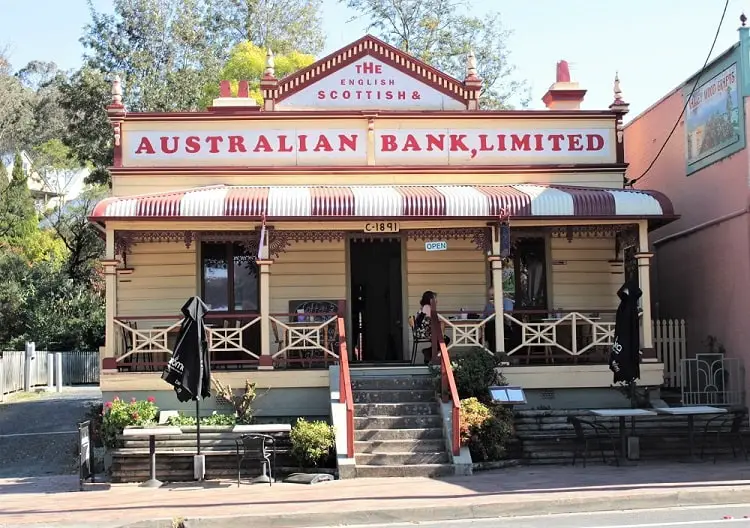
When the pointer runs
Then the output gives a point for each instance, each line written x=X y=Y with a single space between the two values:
x=655 y=44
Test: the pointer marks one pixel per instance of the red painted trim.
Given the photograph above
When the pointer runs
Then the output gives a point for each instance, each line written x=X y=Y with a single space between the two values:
x=391 y=169
x=349 y=54
x=345 y=387
x=109 y=363
x=117 y=155
x=384 y=114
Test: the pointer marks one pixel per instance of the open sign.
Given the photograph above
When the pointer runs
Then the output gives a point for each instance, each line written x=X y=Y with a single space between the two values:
x=435 y=246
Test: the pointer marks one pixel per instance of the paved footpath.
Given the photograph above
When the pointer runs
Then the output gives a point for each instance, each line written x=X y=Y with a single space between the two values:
x=54 y=501
x=38 y=431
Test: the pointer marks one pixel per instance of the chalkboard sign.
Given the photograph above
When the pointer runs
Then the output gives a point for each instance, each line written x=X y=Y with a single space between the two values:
x=306 y=310
x=85 y=464
x=310 y=307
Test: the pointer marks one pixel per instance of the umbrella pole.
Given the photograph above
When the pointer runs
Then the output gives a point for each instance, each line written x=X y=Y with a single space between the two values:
x=198 y=423
x=199 y=462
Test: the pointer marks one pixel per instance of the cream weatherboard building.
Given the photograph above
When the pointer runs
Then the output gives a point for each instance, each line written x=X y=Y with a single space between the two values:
x=377 y=178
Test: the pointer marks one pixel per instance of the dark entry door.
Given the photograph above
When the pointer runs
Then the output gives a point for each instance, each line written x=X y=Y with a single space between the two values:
x=376 y=298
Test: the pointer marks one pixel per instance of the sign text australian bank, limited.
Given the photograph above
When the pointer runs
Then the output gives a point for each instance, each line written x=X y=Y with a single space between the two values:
x=472 y=144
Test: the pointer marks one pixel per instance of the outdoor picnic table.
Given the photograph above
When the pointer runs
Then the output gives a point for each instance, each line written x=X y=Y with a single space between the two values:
x=691 y=412
x=151 y=433
x=622 y=414
x=262 y=428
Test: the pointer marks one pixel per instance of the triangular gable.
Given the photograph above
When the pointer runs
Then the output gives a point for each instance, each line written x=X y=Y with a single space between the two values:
x=370 y=74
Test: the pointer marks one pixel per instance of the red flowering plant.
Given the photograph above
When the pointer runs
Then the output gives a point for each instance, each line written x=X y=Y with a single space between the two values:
x=118 y=414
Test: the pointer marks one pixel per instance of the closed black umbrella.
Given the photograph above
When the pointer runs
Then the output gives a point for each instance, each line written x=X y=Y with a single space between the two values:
x=188 y=370
x=625 y=358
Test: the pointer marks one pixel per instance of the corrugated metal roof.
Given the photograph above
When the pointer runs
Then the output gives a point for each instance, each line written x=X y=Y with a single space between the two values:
x=411 y=201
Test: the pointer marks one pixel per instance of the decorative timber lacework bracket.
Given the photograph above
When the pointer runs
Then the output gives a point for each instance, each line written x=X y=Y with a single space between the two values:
x=278 y=240
x=616 y=231
x=285 y=238
x=480 y=236
x=125 y=240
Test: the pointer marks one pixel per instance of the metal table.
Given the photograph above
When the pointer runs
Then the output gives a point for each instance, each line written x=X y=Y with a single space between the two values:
x=691 y=412
x=151 y=433
x=622 y=414
x=264 y=478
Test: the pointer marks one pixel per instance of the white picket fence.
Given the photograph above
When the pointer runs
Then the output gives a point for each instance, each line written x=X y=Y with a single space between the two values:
x=670 y=342
x=80 y=367
x=12 y=372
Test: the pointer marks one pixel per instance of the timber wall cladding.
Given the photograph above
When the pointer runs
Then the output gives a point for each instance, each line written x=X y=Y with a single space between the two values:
x=582 y=276
x=458 y=275
x=164 y=277
x=308 y=271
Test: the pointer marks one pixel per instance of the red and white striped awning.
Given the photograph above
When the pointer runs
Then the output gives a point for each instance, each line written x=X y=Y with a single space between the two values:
x=407 y=201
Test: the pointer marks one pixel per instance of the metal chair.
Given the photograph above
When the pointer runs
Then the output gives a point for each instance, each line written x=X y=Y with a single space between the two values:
x=258 y=447
x=734 y=419
x=601 y=433
x=416 y=342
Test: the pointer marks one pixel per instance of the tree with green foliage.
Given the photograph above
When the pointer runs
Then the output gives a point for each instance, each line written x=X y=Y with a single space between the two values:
x=16 y=109
x=40 y=303
x=248 y=61
x=285 y=26
x=164 y=50
x=40 y=79
x=4 y=176
x=88 y=135
x=85 y=247
x=441 y=33
x=18 y=218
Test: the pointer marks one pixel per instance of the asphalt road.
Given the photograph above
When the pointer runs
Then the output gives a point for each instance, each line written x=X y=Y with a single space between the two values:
x=38 y=432
x=702 y=517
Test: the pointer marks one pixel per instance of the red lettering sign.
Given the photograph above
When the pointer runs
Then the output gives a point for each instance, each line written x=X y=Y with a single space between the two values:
x=411 y=147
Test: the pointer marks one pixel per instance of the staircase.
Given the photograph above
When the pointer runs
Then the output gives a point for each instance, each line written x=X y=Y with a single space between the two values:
x=397 y=423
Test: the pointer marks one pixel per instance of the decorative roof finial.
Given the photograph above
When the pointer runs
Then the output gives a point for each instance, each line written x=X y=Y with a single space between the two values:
x=270 y=66
x=471 y=65
x=116 y=91
x=617 y=89
x=743 y=19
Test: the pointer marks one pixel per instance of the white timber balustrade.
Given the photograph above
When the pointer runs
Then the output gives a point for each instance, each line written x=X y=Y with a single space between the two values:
x=466 y=332
x=585 y=333
x=311 y=338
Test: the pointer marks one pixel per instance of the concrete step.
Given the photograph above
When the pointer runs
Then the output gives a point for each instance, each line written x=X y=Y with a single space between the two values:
x=427 y=445
x=394 y=459
x=397 y=422
x=421 y=470
x=395 y=409
x=394 y=396
x=381 y=435
x=389 y=383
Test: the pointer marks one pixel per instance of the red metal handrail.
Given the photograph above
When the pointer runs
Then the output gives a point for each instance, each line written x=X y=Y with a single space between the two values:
x=345 y=388
x=447 y=381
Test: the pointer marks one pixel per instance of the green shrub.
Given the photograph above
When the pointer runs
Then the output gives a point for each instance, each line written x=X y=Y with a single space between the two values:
x=214 y=419
x=117 y=415
x=312 y=442
x=475 y=371
x=485 y=430
x=474 y=414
